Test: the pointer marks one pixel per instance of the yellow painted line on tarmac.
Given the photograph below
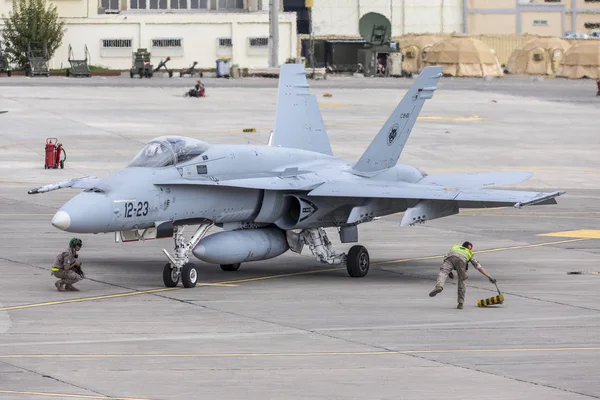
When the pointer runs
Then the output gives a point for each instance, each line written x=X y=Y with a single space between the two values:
x=82 y=299
x=307 y=354
x=527 y=246
x=74 y=396
x=150 y=291
x=262 y=278
x=535 y=216
x=581 y=233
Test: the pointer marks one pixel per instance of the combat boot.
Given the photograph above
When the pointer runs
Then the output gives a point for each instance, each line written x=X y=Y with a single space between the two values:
x=71 y=288
x=460 y=306
x=59 y=286
x=435 y=291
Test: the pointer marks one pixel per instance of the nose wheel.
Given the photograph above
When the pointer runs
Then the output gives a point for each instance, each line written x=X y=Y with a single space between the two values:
x=170 y=276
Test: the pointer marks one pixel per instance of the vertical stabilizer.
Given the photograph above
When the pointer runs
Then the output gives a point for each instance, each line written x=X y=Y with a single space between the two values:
x=384 y=151
x=298 y=122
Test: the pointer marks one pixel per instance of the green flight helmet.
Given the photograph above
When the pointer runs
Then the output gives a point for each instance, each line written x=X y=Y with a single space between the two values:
x=75 y=242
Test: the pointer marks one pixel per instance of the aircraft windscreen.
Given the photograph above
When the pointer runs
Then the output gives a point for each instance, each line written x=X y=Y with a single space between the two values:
x=168 y=150
x=153 y=155
x=187 y=148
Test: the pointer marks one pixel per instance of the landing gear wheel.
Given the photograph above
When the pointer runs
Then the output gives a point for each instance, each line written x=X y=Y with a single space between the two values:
x=231 y=267
x=189 y=275
x=358 y=261
x=170 y=276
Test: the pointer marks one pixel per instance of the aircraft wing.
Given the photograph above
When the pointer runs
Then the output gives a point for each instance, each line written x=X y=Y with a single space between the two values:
x=431 y=192
x=476 y=180
x=290 y=179
x=84 y=182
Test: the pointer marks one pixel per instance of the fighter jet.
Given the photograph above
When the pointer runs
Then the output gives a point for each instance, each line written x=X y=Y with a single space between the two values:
x=272 y=198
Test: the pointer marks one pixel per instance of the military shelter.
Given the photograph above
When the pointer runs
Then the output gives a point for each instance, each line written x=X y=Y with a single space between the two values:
x=581 y=60
x=414 y=48
x=539 y=56
x=463 y=56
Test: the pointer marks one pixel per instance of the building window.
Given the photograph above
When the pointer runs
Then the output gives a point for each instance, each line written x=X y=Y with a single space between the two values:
x=110 y=4
x=179 y=5
x=225 y=42
x=592 y=25
x=259 y=42
x=199 y=4
x=158 y=4
x=540 y=22
x=230 y=4
x=116 y=43
x=166 y=42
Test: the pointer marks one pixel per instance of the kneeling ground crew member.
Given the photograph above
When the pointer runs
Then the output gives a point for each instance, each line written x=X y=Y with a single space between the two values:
x=458 y=258
x=64 y=265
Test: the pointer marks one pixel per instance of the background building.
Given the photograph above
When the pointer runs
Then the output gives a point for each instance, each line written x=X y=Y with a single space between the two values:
x=185 y=30
x=539 y=17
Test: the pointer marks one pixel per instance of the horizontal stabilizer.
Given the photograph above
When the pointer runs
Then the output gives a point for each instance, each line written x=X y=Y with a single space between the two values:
x=85 y=182
x=476 y=180
x=423 y=192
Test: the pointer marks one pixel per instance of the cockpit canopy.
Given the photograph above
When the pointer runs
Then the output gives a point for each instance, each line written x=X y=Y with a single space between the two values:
x=165 y=151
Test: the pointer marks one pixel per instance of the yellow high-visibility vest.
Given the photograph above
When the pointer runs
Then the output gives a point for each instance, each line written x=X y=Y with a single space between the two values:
x=308 y=3
x=463 y=251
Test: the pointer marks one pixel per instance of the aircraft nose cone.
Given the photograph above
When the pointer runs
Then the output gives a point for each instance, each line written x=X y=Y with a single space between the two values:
x=61 y=220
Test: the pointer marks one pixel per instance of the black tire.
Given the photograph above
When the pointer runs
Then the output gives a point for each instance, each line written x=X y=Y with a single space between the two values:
x=168 y=273
x=170 y=74
x=68 y=73
x=189 y=275
x=131 y=74
x=230 y=267
x=9 y=73
x=358 y=262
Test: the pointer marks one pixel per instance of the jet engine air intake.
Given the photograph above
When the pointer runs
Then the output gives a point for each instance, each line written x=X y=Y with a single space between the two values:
x=286 y=211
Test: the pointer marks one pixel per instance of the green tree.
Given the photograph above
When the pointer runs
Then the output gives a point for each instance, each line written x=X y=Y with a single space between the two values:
x=34 y=22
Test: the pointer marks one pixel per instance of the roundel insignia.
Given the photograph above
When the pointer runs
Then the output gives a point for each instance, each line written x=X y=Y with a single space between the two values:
x=393 y=134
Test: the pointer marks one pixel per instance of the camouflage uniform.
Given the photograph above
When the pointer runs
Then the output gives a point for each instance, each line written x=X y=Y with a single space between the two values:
x=457 y=261
x=66 y=277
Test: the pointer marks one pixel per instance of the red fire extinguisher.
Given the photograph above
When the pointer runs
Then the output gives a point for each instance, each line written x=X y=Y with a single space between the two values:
x=54 y=151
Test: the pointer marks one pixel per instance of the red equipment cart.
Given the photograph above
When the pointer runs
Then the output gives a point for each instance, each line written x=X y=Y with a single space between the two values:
x=54 y=151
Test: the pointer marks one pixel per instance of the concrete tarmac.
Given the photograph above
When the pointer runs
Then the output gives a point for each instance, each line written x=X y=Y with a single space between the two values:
x=291 y=328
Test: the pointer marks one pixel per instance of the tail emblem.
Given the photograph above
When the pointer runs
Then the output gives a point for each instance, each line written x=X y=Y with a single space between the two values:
x=392 y=135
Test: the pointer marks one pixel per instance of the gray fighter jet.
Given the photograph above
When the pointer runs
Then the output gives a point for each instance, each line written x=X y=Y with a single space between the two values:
x=269 y=199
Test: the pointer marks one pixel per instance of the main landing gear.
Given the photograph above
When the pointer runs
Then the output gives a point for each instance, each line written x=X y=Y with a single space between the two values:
x=357 y=260
x=179 y=265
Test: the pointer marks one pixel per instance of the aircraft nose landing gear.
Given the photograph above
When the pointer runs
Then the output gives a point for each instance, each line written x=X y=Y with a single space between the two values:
x=179 y=265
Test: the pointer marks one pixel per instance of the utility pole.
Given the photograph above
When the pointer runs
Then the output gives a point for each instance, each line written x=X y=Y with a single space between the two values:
x=274 y=34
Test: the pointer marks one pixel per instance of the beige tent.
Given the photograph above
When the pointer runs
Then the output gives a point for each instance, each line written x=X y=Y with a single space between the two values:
x=539 y=56
x=463 y=56
x=581 y=60
x=414 y=47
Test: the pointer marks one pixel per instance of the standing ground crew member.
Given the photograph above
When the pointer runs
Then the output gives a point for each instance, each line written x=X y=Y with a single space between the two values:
x=458 y=258
x=598 y=84
x=65 y=265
